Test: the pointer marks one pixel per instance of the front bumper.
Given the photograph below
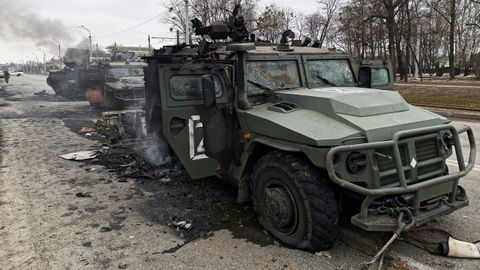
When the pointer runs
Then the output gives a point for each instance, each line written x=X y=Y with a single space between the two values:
x=421 y=189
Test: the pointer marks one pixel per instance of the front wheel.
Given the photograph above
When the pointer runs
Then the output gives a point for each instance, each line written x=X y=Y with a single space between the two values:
x=294 y=201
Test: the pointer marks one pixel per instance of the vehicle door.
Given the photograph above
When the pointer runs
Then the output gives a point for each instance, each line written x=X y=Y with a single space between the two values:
x=182 y=111
x=376 y=74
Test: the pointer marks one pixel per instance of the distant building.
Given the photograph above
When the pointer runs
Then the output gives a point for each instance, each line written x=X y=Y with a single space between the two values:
x=139 y=51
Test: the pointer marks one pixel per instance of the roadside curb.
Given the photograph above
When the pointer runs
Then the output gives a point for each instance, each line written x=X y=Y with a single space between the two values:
x=455 y=113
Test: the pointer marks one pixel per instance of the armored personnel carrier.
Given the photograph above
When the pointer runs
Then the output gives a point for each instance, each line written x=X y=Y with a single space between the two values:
x=299 y=129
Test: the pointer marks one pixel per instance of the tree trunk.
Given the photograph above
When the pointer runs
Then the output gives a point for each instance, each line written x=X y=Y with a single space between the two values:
x=390 y=20
x=451 y=55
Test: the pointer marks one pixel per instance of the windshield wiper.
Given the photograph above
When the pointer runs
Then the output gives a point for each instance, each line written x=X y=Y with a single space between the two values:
x=325 y=80
x=268 y=90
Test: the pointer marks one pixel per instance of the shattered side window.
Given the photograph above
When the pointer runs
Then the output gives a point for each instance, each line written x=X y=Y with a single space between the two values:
x=187 y=87
x=380 y=77
x=271 y=75
x=330 y=72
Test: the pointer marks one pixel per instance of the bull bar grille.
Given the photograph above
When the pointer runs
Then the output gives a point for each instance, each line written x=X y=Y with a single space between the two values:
x=416 y=142
x=427 y=154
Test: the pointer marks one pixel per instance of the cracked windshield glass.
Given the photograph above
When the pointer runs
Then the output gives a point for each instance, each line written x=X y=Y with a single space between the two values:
x=118 y=72
x=266 y=76
x=330 y=73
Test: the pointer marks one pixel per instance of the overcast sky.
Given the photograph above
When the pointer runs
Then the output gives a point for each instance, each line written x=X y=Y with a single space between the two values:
x=30 y=25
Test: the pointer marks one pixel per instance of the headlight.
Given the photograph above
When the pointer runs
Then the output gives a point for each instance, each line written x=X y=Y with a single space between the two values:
x=356 y=162
x=448 y=141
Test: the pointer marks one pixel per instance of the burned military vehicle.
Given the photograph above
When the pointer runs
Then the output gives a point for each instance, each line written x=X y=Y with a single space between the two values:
x=117 y=85
x=66 y=82
x=106 y=85
x=291 y=126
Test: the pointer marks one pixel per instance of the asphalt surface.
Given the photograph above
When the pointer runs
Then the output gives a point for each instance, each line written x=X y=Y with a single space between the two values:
x=59 y=214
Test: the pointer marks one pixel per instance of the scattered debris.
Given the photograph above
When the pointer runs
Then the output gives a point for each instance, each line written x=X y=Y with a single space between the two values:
x=324 y=254
x=72 y=208
x=129 y=164
x=459 y=249
x=87 y=130
x=181 y=224
x=122 y=266
x=105 y=229
x=41 y=93
x=82 y=155
x=83 y=194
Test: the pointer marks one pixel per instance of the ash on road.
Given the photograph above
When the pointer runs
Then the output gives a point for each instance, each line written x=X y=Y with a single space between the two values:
x=114 y=212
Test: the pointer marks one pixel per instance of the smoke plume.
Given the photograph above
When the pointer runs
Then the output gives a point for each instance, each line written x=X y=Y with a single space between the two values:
x=18 y=23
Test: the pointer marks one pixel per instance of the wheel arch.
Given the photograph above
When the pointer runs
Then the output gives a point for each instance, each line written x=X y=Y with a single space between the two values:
x=255 y=150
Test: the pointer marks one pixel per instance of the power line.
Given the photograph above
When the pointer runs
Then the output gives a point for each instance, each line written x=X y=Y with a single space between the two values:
x=131 y=28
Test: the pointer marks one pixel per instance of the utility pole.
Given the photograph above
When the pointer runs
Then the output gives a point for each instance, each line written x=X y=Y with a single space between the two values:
x=44 y=59
x=90 y=45
x=187 y=24
x=59 y=54
x=97 y=54
x=149 y=45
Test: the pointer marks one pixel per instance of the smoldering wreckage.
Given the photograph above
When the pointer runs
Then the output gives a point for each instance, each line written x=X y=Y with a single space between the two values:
x=298 y=129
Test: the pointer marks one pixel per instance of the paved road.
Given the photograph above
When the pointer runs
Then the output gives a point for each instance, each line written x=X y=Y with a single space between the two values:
x=43 y=225
x=437 y=85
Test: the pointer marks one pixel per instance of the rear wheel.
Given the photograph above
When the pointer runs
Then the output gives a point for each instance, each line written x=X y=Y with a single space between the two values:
x=294 y=201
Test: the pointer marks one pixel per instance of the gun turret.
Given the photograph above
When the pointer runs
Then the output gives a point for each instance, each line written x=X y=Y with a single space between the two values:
x=234 y=28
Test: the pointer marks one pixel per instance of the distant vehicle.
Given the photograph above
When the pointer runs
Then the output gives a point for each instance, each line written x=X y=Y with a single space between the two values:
x=116 y=86
x=16 y=73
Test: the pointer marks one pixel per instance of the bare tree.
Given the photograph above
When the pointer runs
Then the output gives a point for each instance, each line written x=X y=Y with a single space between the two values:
x=208 y=11
x=329 y=8
x=273 y=21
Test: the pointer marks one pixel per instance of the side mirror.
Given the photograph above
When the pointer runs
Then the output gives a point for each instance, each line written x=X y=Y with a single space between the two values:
x=365 y=77
x=208 y=91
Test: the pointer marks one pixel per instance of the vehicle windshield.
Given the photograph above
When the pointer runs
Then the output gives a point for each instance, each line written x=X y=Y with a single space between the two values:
x=330 y=72
x=118 y=72
x=137 y=71
x=271 y=75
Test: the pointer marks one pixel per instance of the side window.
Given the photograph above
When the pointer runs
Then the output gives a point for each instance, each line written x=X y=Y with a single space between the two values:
x=380 y=77
x=189 y=87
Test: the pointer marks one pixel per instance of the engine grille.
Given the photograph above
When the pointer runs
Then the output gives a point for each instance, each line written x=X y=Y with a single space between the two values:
x=427 y=155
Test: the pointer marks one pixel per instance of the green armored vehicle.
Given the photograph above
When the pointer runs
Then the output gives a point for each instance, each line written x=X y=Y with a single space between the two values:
x=117 y=85
x=291 y=126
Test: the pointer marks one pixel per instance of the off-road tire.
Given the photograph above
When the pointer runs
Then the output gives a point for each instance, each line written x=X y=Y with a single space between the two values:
x=312 y=198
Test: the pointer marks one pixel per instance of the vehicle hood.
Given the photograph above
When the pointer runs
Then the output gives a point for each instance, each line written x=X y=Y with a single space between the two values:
x=337 y=115
x=127 y=83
